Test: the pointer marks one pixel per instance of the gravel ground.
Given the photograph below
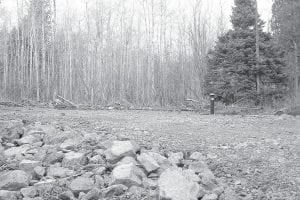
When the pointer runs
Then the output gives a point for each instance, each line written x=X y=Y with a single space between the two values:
x=258 y=155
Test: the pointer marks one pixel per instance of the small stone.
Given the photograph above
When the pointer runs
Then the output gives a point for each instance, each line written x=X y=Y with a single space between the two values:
x=29 y=165
x=73 y=160
x=54 y=157
x=100 y=170
x=114 y=190
x=120 y=149
x=197 y=156
x=9 y=195
x=229 y=194
x=45 y=185
x=14 y=180
x=210 y=197
x=97 y=160
x=175 y=158
x=127 y=174
x=148 y=162
x=39 y=172
x=94 y=194
x=127 y=160
x=70 y=144
x=16 y=151
x=138 y=191
x=199 y=166
x=149 y=183
x=68 y=195
x=208 y=180
x=81 y=184
x=30 y=192
x=59 y=172
x=29 y=139
x=212 y=156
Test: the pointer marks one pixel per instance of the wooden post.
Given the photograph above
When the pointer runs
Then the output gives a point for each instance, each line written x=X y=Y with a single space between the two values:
x=212 y=104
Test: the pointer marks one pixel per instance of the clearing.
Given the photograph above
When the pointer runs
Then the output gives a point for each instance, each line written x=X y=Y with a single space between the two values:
x=257 y=155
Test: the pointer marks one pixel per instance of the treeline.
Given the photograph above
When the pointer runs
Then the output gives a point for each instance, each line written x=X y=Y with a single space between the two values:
x=143 y=53
x=138 y=52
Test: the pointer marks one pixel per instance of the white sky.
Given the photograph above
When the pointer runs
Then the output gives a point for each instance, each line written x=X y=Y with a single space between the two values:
x=264 y=6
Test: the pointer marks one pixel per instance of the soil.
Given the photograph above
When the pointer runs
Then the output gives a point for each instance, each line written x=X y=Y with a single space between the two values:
x=258 y=155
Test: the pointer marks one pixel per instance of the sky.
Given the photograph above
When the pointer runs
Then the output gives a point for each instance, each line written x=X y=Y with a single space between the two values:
x=264 y=6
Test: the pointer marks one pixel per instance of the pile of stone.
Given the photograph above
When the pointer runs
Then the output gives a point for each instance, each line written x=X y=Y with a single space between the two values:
x=46 y=162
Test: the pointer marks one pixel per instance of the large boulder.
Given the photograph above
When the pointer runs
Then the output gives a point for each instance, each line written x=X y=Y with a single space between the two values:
x=14 y=180
x=128 y=175
x=148 y=162
x=74 y=159
x=175 y=185
x=81 y=184
x=120 y=149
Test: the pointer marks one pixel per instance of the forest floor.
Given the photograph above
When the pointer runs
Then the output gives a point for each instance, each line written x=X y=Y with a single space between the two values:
x=259 y=155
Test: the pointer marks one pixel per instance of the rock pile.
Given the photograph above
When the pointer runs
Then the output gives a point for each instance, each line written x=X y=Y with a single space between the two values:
x=94 y=167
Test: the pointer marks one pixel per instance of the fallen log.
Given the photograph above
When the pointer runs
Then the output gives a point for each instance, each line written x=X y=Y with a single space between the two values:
x=62 y=103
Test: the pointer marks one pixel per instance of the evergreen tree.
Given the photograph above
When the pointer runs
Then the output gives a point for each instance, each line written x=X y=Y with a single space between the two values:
x=232 y=64
x=286 y=28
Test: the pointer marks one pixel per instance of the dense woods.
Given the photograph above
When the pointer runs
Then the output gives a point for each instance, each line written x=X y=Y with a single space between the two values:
x=246 y=62
x=142 y=52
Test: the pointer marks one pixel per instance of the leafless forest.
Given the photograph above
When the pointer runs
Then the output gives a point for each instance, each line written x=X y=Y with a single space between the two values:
x=144 y=52
x=141 y=52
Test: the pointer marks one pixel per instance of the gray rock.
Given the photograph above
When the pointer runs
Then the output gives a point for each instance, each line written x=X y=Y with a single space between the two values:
x=70 y=144
x=59 y=172
x=210 y=197
x=29 y=139
x=138 y=192
x=53 y=157
x=174 y=185
x=39 y=172
x=45 y=185
x=127 y=174
x=127 y=160
x=94 y=194
x=148 y=162
x=208 y=180
x=14 y=180
x=199 y=166
x=16 y=151
x=9 y=195
x=81 y=184
x=29 y=165
x=149 y=183
x=229 y=194
x=99 y=170
x=68 y=195
x=120 y=149
x=29 y=192
x=73 y=160
x=197 y=156
x=114 y=190
x=97 y=160
x=175 y=158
